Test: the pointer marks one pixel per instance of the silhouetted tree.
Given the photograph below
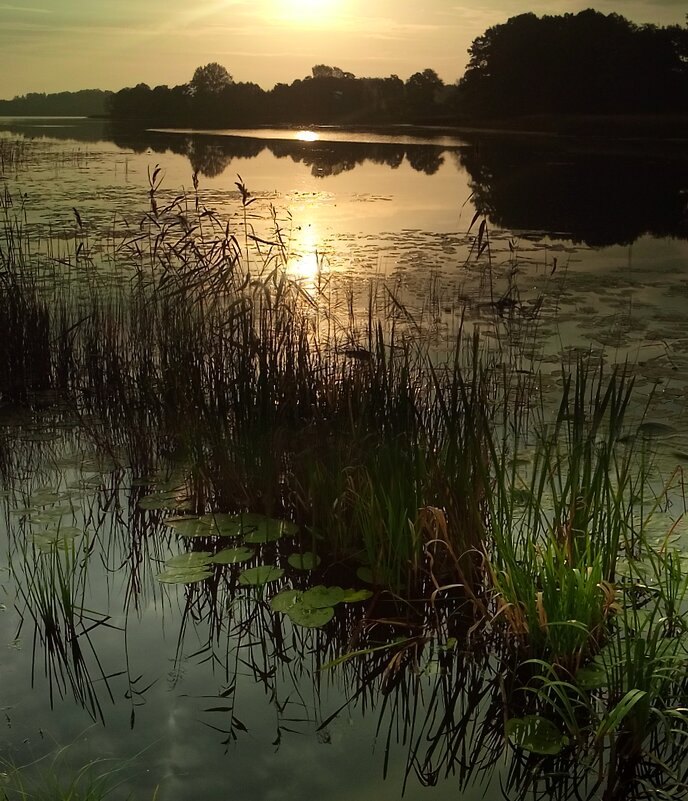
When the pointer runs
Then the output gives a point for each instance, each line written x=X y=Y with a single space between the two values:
x=585 y=62
x=323 y=71
x=210 y=79
x=330 y=96
x=422 y=90
x=84 y=103
x=585 y=197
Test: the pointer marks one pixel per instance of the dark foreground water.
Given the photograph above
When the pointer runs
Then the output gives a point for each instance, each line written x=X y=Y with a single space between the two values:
x=210 y=694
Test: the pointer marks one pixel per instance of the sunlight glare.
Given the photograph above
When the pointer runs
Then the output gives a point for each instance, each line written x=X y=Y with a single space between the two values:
x=303 y=12
x=307 y=136
x=306 y=263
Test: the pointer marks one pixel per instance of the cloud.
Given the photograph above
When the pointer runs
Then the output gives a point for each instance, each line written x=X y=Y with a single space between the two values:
x=25 y=9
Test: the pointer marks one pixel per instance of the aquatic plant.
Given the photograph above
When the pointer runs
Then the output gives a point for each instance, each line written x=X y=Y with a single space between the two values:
x=325 y=472
x=53 y=777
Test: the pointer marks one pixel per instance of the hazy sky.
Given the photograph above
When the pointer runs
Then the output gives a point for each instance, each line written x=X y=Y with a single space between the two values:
x=54 y=45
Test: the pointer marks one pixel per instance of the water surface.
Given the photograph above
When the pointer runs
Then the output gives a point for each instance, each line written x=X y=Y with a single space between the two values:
x=595 y=242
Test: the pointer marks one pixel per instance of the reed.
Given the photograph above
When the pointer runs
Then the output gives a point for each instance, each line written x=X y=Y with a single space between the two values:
x=478 y=510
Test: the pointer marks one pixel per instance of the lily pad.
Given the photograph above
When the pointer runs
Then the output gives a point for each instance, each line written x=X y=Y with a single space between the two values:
x=320 y=597
x=222 y=525
x=180 y=575
x=310 y=617
x=257 y=576
x=592 y=677
x=44 y=496
x=49 y=515
x=365 y=574
x=352 y=596
x=189 y=527
x=304 y=561
x=653 y=428
x=232 y=556
x=67 y=532
x=49 y=539
x=266 y=529
x=161 y=500
x=535 y=734
x=190 y=559
x=285 y=600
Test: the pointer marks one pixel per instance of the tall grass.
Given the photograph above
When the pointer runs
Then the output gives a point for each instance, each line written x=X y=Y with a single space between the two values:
x=451 y=484
x=54 y=778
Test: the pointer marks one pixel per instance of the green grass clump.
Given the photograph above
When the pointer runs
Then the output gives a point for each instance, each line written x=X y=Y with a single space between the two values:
x=481 y=513
x=55 y=778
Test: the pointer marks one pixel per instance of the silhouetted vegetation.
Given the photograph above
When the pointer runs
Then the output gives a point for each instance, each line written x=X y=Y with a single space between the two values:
x=583 y=196
x=585 y=63
x=330 y=95
x=84 y=103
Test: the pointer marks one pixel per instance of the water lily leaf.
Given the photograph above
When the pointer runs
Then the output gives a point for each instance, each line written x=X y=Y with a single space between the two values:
x=377 y=576
x=162 y=500
x=232 y=556
x=44 y=496
x=352 y=596
x=68 y=532
x=320 y=597
x=310 y=617
x=180 y=575
x=432 y=668
x=266 y=529
x=365 y=574
x=592 y=677
x=653 y=428
x=257 y=576
x=188 y=527
x=190 y=559
x=285 y=600
x=48 y=515
x=535 y=734
x=304 y=561
x=46 y=540
x=39 y=436
x=45 y=544
x=222 y=525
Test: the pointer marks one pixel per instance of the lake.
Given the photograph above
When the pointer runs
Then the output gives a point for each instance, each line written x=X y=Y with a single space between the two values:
x=551 y=250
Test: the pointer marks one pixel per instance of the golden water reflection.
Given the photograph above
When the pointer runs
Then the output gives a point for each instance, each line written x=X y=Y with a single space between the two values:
x=307 y=136
x=306 y=262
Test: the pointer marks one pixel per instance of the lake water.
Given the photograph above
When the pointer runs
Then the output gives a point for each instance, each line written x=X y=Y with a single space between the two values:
x=591 y=241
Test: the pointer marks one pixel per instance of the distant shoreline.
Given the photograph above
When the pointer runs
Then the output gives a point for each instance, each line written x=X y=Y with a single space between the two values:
x=661 y=133
x=623 y=128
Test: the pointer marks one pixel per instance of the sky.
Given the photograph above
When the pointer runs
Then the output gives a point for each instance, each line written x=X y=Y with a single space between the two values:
x=58 y=45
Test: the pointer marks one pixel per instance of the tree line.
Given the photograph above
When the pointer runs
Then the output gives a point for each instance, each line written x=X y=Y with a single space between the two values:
x=580 y=63
x=84 y=103
x=330 y=95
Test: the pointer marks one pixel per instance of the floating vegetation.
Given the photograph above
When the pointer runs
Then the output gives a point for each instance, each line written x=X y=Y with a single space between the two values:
x=232 y=556
x=536 y=734
x=520 y=550
x=304 y=561
x=258 y=576
x=183 y=575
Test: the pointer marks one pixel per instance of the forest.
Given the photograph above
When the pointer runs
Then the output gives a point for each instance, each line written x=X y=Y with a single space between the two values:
x=584 y=63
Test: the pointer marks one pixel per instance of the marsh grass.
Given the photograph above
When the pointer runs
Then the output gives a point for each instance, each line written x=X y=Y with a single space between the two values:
x=52 y=584
x=13 y=154
x=480 y=511
x=54 y=777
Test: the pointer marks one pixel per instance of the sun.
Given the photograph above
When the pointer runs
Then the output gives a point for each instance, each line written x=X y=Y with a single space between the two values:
x=305 y=11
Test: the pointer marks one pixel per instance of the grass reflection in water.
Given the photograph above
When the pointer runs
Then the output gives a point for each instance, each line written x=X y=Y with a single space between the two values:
x=340 y=500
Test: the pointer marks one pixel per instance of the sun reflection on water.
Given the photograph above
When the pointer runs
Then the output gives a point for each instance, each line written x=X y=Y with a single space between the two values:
x=306 y=263
x=307 y=136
